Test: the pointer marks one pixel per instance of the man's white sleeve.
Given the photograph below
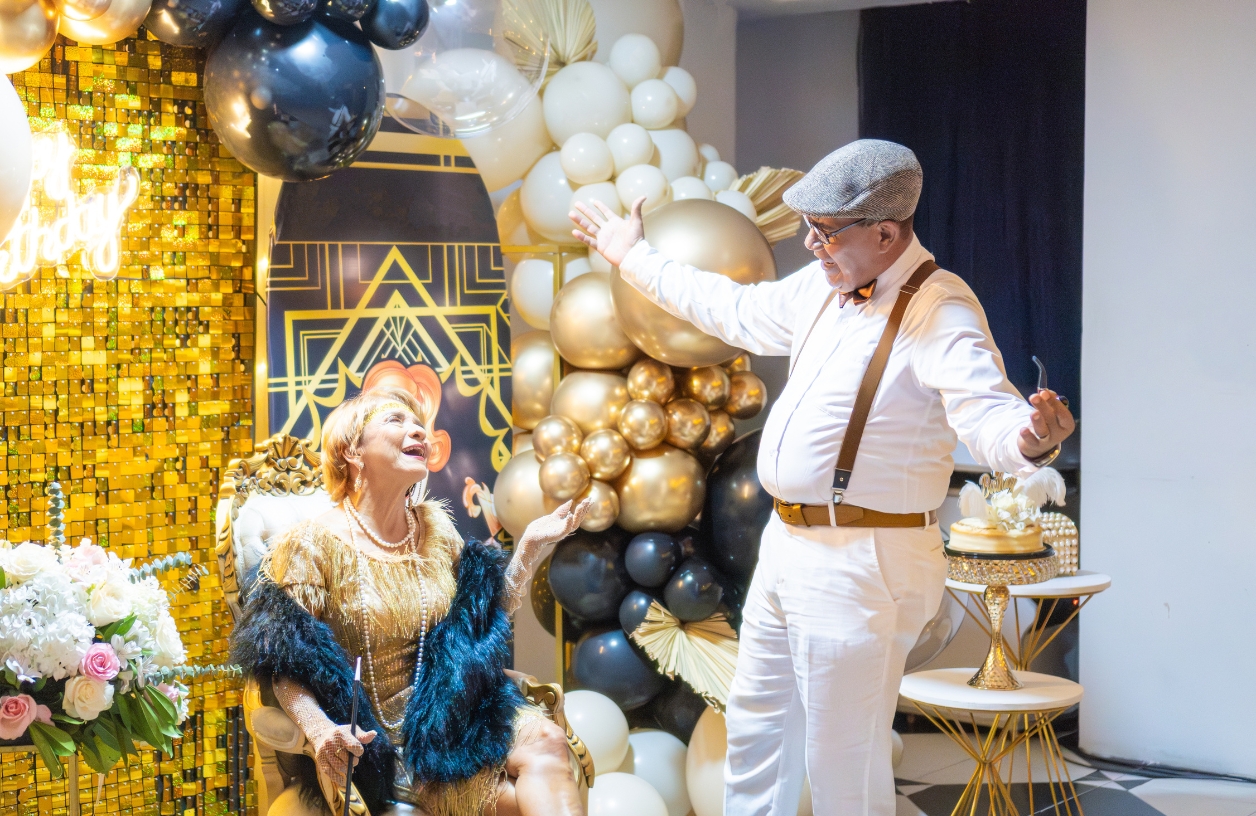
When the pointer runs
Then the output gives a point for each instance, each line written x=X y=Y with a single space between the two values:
x=758 y=317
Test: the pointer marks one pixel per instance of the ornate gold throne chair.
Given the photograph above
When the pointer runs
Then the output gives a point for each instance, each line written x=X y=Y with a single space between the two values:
x=260 y=497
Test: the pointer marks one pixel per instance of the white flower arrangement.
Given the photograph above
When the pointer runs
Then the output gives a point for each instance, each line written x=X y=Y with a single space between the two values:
x=1009 y=503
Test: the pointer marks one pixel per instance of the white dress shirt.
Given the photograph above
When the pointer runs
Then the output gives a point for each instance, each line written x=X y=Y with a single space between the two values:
x=945 y=377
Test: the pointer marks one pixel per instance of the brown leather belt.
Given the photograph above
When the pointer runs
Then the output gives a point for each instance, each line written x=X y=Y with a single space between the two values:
x=848 y=515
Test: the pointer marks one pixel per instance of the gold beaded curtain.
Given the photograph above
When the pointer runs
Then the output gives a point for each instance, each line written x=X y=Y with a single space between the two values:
x=134 y=393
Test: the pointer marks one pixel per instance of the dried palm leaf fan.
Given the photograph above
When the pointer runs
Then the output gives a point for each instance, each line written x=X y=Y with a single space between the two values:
x=776 y=220
x=567 y=27
x=702 y=653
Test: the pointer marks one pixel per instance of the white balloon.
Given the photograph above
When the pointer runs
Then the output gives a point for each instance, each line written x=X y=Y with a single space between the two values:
x=643 y=180
x=586 y=159
x=574 y=266
x=709 y=153
x=683 y=84
x=470 y=89
x=660 y=20
x=659 y=758
x=603 y=191
x=677 y=153
x=739 y=201
x=546 y=196
x=690 y=187
x=532 y=291
x=504 y=154
x=601 y=725
x=719 y=175
x=630 y=145
x=704 y=764
x=585 y=97
x=621 y=794
x=15 y=159
x=896 y=749
x=598 y=263
x=654 y=104
x=635 y=58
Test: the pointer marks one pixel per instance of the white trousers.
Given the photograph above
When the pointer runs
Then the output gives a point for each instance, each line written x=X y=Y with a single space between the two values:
x=830 y=617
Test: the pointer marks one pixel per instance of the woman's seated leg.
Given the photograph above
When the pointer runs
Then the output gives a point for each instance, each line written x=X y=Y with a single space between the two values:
x=540 y=781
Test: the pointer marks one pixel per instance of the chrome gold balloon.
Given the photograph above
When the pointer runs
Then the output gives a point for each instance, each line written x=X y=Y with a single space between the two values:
x=603 y=507
x=517 y=496
x=533 y=360
x=555 y=434
x=739 y=363
x=651 y=380
x=607 y=454
x=27 y=31
x=591 y=399
x=82 y=10
x=705 y=234
x=586 y=332
x=643 y=423
x=121 y=20
x=687 y=423
x=746 y=395
x=662 y=489
x=708 y=385
x=563 y=476
x=718 y=438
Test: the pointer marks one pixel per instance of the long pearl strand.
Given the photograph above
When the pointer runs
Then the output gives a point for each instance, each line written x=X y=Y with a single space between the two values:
x=376 y=537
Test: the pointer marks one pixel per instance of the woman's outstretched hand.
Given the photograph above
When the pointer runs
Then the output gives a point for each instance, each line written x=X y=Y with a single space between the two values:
x=611 y=235
x=555 y=527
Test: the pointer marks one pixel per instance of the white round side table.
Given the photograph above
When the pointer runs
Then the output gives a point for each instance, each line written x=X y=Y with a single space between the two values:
x=1019 y=715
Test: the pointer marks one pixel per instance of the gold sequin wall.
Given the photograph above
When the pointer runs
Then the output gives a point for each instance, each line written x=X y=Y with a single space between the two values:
x=135 y=393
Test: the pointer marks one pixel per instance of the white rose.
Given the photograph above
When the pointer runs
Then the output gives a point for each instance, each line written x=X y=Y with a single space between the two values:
x=86 y=697
x=27 y=560
x=170 y=651
x=109 y=602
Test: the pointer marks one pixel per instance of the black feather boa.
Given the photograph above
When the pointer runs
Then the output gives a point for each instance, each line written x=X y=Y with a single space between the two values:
x=460 y=718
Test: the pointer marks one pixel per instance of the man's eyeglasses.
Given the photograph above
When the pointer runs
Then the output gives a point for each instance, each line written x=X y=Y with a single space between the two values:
x=828 y=236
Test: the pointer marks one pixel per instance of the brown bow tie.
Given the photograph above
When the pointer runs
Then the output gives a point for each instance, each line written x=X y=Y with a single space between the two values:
x=858 y=296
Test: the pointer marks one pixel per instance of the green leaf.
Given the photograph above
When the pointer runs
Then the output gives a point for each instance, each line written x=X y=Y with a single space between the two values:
x=101 y=731
x=152 y=720
x=62 y=742
x=4 y=579
x=123 y=709
x=47 y=751
x=67 y=719
x=120 y=627
x=121 y=733
x=10 y=677
x=106 y=745
x=169 y=715
x=93 y=757
x=40 y=683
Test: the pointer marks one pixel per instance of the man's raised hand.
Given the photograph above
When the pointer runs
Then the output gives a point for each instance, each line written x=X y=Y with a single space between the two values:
x=611 y=235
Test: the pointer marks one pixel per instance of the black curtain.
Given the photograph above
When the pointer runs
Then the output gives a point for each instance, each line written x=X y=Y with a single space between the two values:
x=990 y=94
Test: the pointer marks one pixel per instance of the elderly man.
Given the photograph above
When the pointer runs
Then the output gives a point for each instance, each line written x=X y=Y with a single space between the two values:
x=851 y=565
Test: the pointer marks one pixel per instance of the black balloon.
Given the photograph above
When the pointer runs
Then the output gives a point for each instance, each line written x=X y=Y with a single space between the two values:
x=737 y=509
x=676 y=709
x=286 y=12
x=587 y=575
x=199 y=23
x=395 y=24
x=652 y=558
x=606 y=662
x=294 y=102
x=347 y=11
x=632 y=610
x=693 y=593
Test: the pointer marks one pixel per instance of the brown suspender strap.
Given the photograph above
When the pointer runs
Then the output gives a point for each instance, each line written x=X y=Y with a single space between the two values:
x=872 y=380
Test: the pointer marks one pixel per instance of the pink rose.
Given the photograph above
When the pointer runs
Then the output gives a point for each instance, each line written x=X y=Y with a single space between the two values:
x=170 y=691
x=87 y=563
x=100 y=662
x=18 y=712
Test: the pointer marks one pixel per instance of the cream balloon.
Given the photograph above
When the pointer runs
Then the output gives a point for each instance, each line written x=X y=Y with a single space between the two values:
x=691 y=187
x=708 y=152
x=662 y=489
x=659 y=758
x=15 y=159
x=517 y=496
x=27 y=31
x=630 y=145
x=600 y=725
x=709 y=236
x=654 y=104
x=585 y=330
x=591 y=399
x=585 y=97
x=643 y=423
x=686 y=89
x=635 y=58
x=122 y=20
x=555 y=434
x=545 y=196
x=82 y=9
x=719 y=175
x=704 y=764
x=586 y=158
x=603 y=506
x=532 y=291
x=575 y=266
x=512 y=227
x=621 y=794
x=677 y=152
x=504 y=154
x=519 y=443
x=599 y=264
x=606 y=453
x=563 y=476
x=533 y=361
x=644 y=180
x=660 y=20
x=651 y=380
x=739 y=201
x=603 y=191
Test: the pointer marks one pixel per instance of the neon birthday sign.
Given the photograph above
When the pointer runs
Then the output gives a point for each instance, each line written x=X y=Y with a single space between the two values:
x=91 y=224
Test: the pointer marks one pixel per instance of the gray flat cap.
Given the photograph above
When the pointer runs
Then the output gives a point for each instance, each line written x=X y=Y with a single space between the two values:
x=868 y=178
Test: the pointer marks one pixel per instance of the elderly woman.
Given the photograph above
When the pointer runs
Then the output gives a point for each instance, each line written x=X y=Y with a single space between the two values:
x=385 y=577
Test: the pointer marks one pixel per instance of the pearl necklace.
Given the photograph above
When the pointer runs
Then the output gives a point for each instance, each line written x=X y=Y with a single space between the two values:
x=366 y=623
x=376 y=537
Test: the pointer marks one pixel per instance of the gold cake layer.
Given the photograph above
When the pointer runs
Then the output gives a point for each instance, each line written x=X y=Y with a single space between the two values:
x=972 y=535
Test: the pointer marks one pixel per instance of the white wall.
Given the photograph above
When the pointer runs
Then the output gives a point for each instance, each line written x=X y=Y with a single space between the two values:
x=710 y=54
x=1169 y=373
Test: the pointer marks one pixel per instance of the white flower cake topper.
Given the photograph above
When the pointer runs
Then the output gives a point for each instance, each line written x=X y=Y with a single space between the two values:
x=1009 y=503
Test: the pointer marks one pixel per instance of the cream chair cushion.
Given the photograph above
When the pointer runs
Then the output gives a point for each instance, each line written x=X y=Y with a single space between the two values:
x=264 y=517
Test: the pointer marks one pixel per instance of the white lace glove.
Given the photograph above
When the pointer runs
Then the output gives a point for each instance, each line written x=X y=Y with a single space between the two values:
x=535 y=542
x=333 y=744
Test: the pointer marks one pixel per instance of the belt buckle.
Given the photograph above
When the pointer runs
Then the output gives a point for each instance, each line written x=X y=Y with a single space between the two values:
x=791 y=513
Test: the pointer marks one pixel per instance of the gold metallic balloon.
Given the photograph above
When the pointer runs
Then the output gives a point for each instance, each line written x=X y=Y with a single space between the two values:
x=746 y=395
x=82 y=10
x=719 y=438
x=739 y=363
x=120 y=21
x=708 y=235
x=532 y=381
x=591 y=399
x=517 y=496
x=643 y=423
x=662 y=489
x=586 y=332
x=607 y=453
x=563 y=476
x=555 y=434
x=651 y=380
x=27 y=31
x=687 y=423
x=603 y=509
x=708 y=385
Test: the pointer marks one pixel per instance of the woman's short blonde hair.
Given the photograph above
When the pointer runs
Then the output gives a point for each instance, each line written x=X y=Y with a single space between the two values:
x=343 y=428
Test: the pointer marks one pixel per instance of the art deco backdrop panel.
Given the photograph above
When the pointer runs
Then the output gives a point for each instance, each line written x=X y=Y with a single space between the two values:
x=390 y=272
x=134 y=393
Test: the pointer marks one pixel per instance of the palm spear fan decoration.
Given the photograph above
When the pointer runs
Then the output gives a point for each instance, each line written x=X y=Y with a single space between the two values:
x=702 y=653
x=565 y=28
x=765 y=187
